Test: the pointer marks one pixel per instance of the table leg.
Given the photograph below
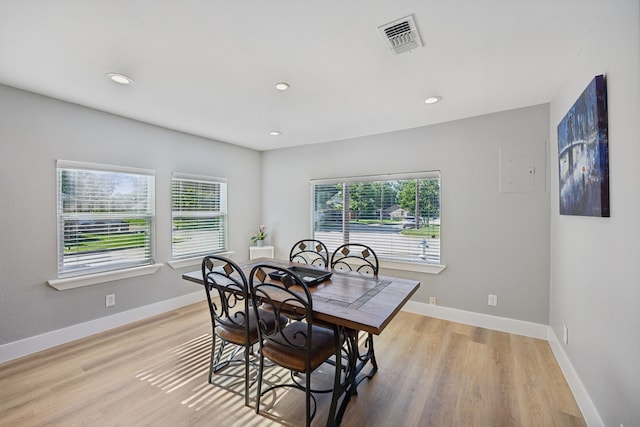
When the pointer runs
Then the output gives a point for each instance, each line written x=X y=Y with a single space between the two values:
x=355 y=364
x=369 y=356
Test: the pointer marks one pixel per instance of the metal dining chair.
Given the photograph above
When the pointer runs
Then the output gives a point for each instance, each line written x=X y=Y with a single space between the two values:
x=232 y=320
x=301 y=346
x=355 y=257
x=310 y=251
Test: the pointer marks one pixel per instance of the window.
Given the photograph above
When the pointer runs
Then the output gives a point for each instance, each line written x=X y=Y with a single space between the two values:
x=199 y=216
x=397 y=215
x=105 y=218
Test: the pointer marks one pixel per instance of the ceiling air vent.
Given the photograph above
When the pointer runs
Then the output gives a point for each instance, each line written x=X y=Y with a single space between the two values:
x=401 y=35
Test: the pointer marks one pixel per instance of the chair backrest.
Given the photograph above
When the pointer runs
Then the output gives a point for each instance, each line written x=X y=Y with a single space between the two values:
x=355 y=257
x=310 y=251
x=287 y=296
x=224 y=277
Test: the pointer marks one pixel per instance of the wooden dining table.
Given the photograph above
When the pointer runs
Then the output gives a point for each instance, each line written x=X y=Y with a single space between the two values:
x=353 y=302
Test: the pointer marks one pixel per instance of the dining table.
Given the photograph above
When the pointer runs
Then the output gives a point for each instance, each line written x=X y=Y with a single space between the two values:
x=353 y=302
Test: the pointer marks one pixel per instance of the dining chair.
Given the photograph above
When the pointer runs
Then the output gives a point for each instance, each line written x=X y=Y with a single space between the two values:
x=355 y=257
x=362 y=259
x=232 y=321
x=310 y=251
x=301 y=346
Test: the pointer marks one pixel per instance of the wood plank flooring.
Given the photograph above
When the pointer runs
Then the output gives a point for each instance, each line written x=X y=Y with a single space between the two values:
x=154 y=372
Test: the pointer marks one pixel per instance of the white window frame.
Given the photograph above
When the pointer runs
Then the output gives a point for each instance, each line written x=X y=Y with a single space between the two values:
x=387 y=259
x=122 y=265
x=199 y=241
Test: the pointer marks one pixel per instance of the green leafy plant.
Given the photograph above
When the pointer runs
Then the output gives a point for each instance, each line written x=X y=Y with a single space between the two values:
x=260 y=235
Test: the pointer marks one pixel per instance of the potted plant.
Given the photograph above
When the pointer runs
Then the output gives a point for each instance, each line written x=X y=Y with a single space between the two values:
x=258 y=239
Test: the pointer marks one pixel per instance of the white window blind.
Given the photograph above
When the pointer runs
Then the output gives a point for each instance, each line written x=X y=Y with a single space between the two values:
x=398 y=216
x=199 y=215
x=105 y=217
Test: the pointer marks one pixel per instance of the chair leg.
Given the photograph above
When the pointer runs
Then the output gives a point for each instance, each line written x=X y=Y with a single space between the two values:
x=246 y=376
x=260 y=371
x=215 y=365
x=218 y=365
x=307 y=392
x=214 y=358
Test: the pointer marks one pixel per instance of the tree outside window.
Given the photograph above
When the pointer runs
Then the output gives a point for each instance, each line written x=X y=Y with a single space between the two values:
x=399 y=217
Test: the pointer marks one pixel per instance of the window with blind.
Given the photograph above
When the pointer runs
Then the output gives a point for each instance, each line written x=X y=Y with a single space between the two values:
x=398 y=216
x=199 y=216
x=105 y=218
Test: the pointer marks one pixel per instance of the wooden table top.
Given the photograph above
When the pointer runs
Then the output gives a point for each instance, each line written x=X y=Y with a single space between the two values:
x=348 y=299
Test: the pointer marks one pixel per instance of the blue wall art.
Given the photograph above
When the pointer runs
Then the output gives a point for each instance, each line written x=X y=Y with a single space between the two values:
x=583 y=154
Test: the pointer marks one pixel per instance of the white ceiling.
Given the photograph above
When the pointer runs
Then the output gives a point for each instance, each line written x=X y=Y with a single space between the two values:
x=209 y=67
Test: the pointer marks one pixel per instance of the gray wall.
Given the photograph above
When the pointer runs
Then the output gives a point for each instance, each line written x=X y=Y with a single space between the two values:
x=34 y=132
x=595 y=278
x=492 y=242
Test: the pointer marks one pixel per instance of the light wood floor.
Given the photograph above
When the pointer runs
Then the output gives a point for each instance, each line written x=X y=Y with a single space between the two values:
x=154 y=372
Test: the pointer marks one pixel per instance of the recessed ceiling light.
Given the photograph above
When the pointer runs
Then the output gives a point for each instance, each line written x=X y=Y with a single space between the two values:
x=282 y=86
x=120 y=78
x=275 y=133
x=432 y=99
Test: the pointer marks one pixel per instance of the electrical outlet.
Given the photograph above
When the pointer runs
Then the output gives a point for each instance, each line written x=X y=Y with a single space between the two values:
x=432 y=300
x=565 y=335
x=110 y=300
x=493 y=300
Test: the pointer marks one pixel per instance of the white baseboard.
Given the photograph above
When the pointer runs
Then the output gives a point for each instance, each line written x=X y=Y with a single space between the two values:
x=503 y=324
x=529 y=329
x=37 y=343
x=589 y=411
x=20 y=348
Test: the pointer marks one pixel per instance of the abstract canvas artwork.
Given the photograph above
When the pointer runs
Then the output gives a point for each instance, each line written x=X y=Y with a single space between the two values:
x=583 y=154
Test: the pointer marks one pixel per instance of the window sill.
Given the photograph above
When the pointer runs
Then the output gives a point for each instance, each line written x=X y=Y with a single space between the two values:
x=408 y=266
x=189 y=262
x=108 y=276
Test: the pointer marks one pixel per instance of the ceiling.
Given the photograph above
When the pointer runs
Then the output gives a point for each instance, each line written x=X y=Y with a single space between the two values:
x=209 y=68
